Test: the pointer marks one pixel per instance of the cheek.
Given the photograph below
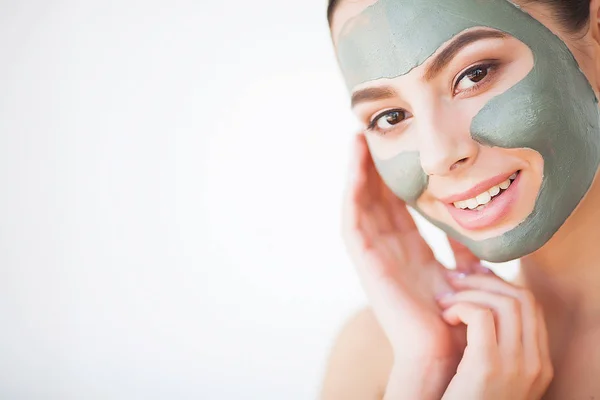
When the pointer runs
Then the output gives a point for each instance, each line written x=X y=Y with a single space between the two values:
x=404 y=175
x=532 y=180
x=389 y=145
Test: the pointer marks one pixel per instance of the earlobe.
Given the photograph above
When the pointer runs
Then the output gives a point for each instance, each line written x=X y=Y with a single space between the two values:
x=594 y=20
x=594 y=24
x=594 y=36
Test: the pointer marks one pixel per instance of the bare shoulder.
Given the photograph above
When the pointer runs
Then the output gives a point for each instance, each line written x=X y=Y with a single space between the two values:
x=360 y=361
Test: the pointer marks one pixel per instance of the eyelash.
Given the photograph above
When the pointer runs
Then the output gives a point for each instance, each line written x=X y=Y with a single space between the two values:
x=371 y=126
x=489 y=66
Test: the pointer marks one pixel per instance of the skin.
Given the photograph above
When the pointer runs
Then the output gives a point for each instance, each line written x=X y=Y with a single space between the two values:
x=556 y=291
x=518 y=104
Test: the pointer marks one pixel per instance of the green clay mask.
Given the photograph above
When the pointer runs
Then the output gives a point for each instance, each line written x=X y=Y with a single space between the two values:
x=553 y=110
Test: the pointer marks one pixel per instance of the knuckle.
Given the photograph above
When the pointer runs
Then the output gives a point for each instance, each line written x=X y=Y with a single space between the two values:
x=492 y=373
x=514 y=375
x=482 y=313
x=514 y=306
x=548 y=374
x=487 y=371
x=485 y=315
x=511 y=305
x=534 y=370
x=526 y=296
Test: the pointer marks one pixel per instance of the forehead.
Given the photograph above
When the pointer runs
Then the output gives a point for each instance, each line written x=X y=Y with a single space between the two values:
x=388 y=38
x=350 y=14
x=347 y=10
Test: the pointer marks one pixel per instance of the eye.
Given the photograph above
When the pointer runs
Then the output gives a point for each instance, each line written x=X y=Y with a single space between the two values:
x=471 y=78
x=388 y=119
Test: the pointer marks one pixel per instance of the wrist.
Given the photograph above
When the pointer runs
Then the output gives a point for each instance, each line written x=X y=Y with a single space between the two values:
x=426 y=380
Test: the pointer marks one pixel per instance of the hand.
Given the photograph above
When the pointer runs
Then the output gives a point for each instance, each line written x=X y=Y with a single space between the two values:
x=401 y=276
x=507 y=355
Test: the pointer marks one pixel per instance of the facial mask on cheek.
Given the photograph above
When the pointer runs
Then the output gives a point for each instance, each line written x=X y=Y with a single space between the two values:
x=553 y=110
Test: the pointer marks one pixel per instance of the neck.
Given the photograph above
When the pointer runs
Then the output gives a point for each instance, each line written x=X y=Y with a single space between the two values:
x=564 y=275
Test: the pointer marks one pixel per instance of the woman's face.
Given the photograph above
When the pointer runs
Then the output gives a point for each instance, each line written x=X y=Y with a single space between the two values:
x=475 y=114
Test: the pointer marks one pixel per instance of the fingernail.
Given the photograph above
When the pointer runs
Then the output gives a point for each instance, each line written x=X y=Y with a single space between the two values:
x=480 y=268
x=444 y=295
x=456 y=275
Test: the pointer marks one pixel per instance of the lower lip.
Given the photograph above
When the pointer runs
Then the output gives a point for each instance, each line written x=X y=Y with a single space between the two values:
x=496 y=210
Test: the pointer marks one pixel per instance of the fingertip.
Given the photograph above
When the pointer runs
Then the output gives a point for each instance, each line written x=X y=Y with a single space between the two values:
x=455 y=275
x=443 y=296
x=356 y=170
x=360 y=143
x=480 y=268
x=360 y=152
x=450 y=317
x=445 y=300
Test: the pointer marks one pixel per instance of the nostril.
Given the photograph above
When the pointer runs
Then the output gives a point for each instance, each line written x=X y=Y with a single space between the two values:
x=459 y=163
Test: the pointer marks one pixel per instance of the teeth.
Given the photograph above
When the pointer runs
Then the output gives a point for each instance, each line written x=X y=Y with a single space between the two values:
x=460 y=204
x=485 y=197
x=472 y=203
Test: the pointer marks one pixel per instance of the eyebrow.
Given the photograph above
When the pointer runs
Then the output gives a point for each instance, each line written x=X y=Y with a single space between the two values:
x=372 y=94
x=437 y=65
x=455 y=46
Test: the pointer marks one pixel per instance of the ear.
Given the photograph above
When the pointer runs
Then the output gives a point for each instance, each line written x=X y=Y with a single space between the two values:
x=594 y=33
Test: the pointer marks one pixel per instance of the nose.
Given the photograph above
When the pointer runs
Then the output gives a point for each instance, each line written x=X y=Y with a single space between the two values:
x=445 y=142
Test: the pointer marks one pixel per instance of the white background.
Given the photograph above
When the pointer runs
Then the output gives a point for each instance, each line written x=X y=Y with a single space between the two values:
x=171 y=177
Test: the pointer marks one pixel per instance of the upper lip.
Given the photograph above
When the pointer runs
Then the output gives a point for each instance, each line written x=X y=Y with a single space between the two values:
x=478 y=189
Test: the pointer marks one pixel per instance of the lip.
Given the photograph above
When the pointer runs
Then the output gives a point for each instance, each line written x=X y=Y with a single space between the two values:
x=477 y=189
x=496 y=210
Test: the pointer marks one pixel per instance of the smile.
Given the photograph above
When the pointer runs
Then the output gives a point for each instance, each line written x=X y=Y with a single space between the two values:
x=481 y=200
x=486 y=204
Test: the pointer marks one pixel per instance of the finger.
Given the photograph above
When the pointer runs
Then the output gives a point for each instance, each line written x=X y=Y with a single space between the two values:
x=481 y=330
x=371 y=196
x=466 y=261
x=354 y=187
x=357 y=227
x=543 y=337
x=360 y=172
x=360 y=190
x=531 y=326
x=374 y=183
x=488 y=282
x=507 y=312
x=547 y=372
x=529 y=310
x=380 y=276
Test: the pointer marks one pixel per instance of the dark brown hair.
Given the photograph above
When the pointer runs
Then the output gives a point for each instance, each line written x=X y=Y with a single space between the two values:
x=572 y=14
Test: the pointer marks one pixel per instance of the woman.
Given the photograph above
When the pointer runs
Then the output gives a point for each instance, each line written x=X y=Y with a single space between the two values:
x=481 y=115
